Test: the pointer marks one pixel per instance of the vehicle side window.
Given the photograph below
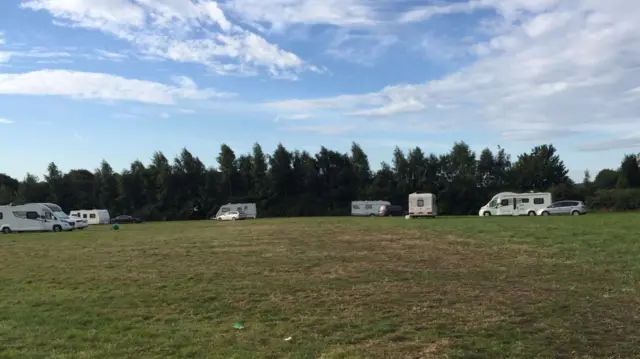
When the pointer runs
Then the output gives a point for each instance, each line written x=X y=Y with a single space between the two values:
x=92 y=215
x=224 y=209
x=493 y=203
x=48 y=215
x=573 y=204
x=84 y=215
x=420 y=203
x=32 y=215
x=1 y=216
x=538 y=201
x=368 y=206
x=504 y=202
x=355 y=206
x=524 y=200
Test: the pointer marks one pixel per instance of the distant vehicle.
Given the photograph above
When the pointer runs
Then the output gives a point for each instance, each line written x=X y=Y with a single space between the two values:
x=231 y=216
x=248 y=209
x=125 y=219
x=516 y=204
x=564 y=208
x=93 y=216
x=79 y=223
x=33 y=217
x=367 y=208
x=390 y=210
x=422 y=205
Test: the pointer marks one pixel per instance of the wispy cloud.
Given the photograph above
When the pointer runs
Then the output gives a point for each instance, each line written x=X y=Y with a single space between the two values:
x=180 y=31
x=4 y=121
x=563 y=65
x=85 y=85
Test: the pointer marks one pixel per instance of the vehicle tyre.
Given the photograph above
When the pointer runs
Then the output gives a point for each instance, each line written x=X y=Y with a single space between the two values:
x=545 y=213
x=575 y=213
x=233 y=218
x=6 y=230
x=57 y=228
x=218 y=219
x=372 y=215
x=532 y=213
x=486 y=214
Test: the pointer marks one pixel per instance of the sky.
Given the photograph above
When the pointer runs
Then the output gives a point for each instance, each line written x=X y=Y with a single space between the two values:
x=86 y=80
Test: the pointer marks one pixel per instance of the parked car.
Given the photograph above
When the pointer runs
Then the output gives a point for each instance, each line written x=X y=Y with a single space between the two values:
x=125 y=219
x=79 y=222
x=231 y=216
x=564 y=208
x=391 y=210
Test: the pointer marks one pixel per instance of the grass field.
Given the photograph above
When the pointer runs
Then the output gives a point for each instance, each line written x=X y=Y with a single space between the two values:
x=544 y=287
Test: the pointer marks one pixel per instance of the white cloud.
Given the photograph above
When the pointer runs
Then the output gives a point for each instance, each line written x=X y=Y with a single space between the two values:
x=322 y=129
x=4 y=121
x=566 y=67
x=178 y=30
x=87 y=85
x=280 y=14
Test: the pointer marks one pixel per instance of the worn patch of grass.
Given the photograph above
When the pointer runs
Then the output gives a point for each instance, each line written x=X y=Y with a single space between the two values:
x=340 y=287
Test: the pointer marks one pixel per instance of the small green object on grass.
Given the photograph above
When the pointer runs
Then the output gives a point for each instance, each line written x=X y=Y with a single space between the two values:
x=116 y=226
x=238 y=326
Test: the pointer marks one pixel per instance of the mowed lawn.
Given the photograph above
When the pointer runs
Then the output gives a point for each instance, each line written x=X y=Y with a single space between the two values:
x=543 y=287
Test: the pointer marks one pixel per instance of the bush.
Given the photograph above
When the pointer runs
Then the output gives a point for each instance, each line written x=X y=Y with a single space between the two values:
x=615 y=200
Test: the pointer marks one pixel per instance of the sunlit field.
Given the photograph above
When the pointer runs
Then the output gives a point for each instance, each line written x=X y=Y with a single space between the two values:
x=468 y=287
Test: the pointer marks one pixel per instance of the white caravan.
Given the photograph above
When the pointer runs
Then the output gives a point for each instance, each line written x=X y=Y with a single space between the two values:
x=422 y=205
x=367 y=208
x=33 y=217
x=249 y=209
x=516 y=204
x=93 y=216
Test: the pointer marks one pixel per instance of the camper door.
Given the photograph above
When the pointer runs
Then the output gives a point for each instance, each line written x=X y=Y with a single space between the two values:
x=506 y=206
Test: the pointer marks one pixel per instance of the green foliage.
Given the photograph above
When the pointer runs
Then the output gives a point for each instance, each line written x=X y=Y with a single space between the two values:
x=297 y=183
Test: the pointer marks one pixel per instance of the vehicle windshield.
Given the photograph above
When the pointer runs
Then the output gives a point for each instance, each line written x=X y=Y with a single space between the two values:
x=60 y=215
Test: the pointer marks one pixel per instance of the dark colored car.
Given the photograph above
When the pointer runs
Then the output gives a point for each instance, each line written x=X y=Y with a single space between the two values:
x=391 y=210
x=125 y=219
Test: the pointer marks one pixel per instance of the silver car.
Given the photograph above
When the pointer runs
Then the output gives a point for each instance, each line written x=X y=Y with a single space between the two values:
x=564 y=208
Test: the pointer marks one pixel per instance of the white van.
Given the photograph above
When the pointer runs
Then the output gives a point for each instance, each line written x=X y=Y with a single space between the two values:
x=248 y=209
x=33 y=217
x=516 y=204
x=422 y=205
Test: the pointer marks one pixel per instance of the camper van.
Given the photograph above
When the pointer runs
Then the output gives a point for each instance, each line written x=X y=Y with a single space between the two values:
x=367 y=208
x=422 y=205
x=34 y=217
x=93 y=216
x=248 y=209
x=516 y=204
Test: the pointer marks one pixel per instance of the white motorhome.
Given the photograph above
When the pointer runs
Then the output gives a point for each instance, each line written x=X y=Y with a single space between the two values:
x=422 y=205
x=34 y=217
x=367 y=208
x=248 y=209
x=93 y=216
x=516 y=204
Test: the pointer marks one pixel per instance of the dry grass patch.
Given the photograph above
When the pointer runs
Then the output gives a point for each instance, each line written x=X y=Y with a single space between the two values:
x=341 y=288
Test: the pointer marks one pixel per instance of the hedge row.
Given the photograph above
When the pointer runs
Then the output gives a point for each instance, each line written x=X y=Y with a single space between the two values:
x=615 y=200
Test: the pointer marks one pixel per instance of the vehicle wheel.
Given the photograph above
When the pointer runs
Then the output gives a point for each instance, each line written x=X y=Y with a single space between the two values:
x=487 y=214
x=218 y=219
x=532 y=213
x=57 y=228
x=372 y=215
x=545 y=213
x=233 y=218
x=6 y=230
x=575 y=213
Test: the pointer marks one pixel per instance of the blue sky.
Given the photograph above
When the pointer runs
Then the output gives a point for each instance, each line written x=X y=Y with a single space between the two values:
x=118 y=79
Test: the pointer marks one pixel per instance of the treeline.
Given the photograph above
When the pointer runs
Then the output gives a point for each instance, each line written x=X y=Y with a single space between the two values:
x=297 y=183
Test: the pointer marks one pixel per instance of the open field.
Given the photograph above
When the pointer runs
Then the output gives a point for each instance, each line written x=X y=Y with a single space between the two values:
x=554 y=287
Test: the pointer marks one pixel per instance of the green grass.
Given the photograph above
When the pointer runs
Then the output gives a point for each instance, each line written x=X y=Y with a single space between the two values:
x=544 y=287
